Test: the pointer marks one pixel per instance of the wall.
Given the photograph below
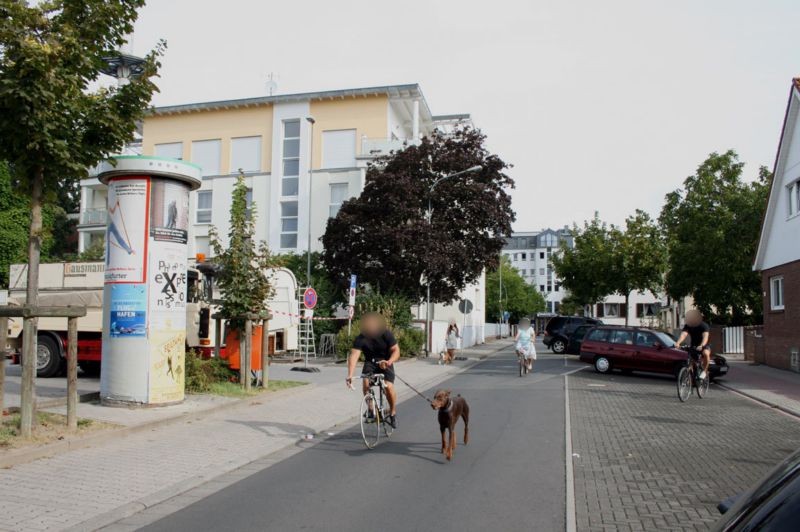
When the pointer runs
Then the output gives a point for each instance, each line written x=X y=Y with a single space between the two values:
x=368 y=116
x=781 y=331
x=635 y=297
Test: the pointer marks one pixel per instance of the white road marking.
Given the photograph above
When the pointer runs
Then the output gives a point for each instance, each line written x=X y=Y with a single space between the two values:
x=568 y=455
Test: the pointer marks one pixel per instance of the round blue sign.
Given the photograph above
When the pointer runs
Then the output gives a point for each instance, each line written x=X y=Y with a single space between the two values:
x=310 y=298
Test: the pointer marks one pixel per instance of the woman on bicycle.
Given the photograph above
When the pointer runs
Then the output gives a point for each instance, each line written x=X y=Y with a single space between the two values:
x=525 y=338
x=451 y=341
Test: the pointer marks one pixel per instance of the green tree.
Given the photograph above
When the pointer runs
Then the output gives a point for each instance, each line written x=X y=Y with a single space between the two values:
x=53 y=126
x=712 y=227
x=242 y=278
x=586 y=268
x=14 y=221
x=385 y=237
x=518 y=297
x=638 y=257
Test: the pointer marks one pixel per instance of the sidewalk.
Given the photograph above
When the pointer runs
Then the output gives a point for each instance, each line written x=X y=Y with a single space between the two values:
x=775 y=387
x=94 y=486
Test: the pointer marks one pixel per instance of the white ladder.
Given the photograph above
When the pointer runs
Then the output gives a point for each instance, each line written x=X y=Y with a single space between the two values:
x=305 y=340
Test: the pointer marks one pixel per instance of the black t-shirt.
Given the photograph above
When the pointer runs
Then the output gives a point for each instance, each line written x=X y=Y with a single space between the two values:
x=696 y=333
x=375 y=348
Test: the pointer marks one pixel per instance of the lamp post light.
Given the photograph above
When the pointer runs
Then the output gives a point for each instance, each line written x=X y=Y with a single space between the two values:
x=311 y=121
x=427 y=274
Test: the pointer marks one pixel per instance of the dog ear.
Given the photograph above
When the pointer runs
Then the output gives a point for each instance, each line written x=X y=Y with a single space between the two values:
x=448 y=392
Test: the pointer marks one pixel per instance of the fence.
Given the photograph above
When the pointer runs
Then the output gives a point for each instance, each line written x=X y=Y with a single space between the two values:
x=493 y=330
x=733 y=340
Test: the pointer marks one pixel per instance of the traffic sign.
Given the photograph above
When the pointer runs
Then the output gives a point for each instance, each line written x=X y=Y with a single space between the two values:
x=465 y=306
x=351 y=312
x=310 y=298
x=352 y=293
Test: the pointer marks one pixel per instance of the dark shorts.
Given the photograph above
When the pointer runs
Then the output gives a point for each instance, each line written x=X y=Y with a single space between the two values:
x=373 y=368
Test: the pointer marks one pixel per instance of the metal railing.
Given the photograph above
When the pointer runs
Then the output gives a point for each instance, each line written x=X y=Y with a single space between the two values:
x=376 y=147
x=93 y=216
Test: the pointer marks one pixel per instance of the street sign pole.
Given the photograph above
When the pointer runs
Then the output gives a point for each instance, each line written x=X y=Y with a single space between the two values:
x=351 y=303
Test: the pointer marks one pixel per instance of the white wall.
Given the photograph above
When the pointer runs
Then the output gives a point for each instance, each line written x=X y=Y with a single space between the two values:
x=635 y=297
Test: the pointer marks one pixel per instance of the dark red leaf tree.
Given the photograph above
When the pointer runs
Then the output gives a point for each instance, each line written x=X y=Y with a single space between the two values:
x=385 y=237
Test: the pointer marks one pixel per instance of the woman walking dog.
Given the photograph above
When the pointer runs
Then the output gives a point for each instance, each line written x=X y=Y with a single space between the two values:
x=525 y=339
x=451 y=341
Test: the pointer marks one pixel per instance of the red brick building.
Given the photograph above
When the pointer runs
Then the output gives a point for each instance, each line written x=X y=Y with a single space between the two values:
x=778 y=257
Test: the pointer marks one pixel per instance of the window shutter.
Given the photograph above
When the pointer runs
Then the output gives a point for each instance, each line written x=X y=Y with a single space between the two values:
x=623 y=310
x=600 y=310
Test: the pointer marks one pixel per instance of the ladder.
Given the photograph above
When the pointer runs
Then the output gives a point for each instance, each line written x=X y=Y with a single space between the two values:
x=305 y=339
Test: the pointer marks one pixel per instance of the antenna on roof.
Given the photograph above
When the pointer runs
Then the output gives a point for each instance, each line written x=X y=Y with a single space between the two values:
x=272 y=85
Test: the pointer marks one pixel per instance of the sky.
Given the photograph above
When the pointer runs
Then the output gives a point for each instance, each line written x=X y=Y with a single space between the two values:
x=600 y=105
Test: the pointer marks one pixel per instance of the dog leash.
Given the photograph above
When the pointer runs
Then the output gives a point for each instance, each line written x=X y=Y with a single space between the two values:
x=414 y=389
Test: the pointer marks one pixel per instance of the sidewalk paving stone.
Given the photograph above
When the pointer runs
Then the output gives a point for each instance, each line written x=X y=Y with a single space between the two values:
x=775 y=387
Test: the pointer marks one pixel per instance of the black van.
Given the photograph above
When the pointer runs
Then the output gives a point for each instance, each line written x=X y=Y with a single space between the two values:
x=560 y=328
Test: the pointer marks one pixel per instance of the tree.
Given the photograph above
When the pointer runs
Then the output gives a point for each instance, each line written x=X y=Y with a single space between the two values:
x=586 y=268
x=385 y=237
x=638 y=257
x=519 y=298
x=14 y=221
x=712 y=228
x=53 y=127
x=242 y=278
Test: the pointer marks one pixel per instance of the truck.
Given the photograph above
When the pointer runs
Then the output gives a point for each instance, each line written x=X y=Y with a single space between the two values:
x=81 y=284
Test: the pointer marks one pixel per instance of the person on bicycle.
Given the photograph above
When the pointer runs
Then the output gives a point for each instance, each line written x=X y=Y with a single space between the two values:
x=698 y=333
x=379 y=347
x=525 y=338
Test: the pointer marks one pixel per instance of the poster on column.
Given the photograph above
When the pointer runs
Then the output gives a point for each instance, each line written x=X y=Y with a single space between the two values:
x=128 y=310
x=169 y=211
x=126 y=233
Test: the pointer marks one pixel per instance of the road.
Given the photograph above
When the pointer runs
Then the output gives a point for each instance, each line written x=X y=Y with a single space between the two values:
x=509 y=477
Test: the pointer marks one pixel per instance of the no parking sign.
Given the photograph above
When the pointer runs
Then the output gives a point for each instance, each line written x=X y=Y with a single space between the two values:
x=310 y=298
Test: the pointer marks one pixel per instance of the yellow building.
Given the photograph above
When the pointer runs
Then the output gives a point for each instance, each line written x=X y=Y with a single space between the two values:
x=272 y=139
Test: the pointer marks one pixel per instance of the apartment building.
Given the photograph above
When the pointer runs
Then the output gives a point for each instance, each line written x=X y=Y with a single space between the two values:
x=302 y=155
x=530 y=254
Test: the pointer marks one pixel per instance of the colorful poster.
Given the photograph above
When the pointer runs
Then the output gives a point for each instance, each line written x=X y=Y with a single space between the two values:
x=169 y=211
x=167 y=357
x=126 y=234
x=128 y=310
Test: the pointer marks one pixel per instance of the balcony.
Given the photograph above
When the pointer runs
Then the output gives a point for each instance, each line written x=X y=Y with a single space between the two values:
x=94 y=217
x=377 y=147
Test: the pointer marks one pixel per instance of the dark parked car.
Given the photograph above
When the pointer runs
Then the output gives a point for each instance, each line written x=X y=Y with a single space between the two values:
x=575 y=339
x=637 y=349
x=772 y=505
x=560 y=328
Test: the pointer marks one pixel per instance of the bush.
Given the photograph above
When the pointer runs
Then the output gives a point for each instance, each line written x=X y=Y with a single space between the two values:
x=411 y=341
x=344 y=341
x=201 y=373
x=395 y=309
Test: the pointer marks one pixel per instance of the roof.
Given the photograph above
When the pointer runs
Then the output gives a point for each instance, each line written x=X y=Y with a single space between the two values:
x=393 y=91
x=766 y=220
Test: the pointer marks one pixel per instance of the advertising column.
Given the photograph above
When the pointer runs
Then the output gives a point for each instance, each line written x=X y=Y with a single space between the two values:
x=144 y=296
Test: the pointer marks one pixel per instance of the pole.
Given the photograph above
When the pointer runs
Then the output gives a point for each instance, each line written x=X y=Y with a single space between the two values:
x=72 y=374
x=464 y=328
x=265 y=353
x=28 y=392
x=3 y=342
x=500 y=294
x=428 y=286
x=248 y=350
x=242 y=347
x=310 y=164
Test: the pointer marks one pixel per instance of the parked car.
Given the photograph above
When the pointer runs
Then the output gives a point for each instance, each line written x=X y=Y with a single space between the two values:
x=772 y=504
x=610 y=347
x=560 y=328
x=576 y=339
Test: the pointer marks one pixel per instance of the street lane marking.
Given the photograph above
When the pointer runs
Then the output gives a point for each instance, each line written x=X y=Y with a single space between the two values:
x=570 y=478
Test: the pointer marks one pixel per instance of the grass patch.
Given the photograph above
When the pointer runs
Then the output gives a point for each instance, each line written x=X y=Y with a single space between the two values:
x=49 y=427
x=233 y=389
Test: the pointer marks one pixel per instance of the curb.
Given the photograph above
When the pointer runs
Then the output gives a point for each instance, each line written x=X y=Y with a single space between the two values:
x=134 y=507
x=788 y=411
x=12 y=458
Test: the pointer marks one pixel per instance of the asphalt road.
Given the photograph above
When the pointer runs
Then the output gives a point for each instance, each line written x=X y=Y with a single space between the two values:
x=509 y=477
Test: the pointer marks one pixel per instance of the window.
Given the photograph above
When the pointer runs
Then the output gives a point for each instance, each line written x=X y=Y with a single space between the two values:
x=288 y=224
x=599 y=335
x=205 y=154
x=541 y=254
x=557 y=286
x=524 y=256
x=541 y=288
x=204 y=206
x=611 y=310
x=548 y=240
x=644 y=338
x=541 y=271
x=339 y=193
x=201 y=245
x=339 y=149
x=245 y=154
x=290 y=181
x=249 y=200
x=170 y=150
x=646 y=310
x=523 y=272
x=794 y=198
x=622 y=337
x=549 y=288
x=776 y=293
x=516 y=255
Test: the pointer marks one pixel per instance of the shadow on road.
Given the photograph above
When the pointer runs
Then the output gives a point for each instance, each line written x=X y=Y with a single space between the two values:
x=351 y=444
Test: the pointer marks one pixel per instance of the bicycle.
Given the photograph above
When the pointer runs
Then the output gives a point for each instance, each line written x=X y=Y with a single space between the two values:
x=689 y=377
x=523 y=364
x=375 y=412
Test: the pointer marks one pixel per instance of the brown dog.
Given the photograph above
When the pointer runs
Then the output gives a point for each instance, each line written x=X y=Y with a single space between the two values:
x=449 y=412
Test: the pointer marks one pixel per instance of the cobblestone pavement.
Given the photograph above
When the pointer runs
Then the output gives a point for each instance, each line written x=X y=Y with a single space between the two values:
x=645 y=461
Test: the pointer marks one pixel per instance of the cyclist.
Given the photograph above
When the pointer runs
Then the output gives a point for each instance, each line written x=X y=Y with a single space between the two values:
x=525 y=338
x=698 y=333
x=381 y=351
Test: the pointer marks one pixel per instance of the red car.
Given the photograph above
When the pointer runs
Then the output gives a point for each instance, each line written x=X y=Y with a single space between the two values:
x=636 y=349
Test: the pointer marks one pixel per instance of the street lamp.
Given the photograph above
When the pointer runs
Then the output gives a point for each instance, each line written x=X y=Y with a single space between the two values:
x=427 y=274
x=311 y=121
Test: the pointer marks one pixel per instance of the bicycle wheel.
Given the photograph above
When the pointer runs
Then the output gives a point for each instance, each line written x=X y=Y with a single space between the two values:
x=370 y=421
x=702 y=387
x=684 y=384
x=521 y=364
x=384 y=409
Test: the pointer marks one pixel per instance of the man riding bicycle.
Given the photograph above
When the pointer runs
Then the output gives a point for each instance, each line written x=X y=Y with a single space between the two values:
x=381 y=351
x=698 y=333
